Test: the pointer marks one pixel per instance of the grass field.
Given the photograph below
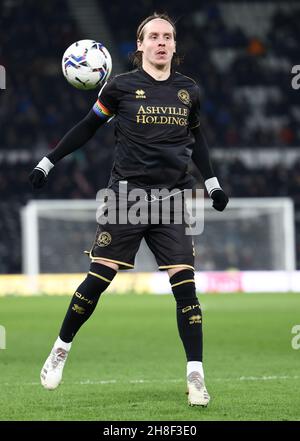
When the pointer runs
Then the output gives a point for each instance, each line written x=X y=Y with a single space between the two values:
x=127 y=362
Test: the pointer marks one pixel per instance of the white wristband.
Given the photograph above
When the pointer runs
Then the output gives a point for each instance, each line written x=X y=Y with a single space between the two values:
x=45 y=165
x=212 y=184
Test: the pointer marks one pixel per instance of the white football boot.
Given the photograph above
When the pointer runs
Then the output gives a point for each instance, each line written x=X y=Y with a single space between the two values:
x=51 y=373
x=197 y=393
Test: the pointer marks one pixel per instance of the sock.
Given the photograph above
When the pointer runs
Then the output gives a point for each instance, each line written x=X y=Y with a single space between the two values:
x=62 y=344
x=193 y=366
x=189 y=315
x=85 y=299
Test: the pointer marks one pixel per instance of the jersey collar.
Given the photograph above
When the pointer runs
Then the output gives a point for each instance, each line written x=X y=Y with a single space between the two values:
x=154 y=81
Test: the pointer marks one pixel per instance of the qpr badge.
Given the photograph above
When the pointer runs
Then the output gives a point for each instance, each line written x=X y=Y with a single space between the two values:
x=184 y=96
x=104 y=239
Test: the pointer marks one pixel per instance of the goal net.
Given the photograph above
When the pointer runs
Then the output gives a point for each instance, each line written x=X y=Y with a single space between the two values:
x=251 y=234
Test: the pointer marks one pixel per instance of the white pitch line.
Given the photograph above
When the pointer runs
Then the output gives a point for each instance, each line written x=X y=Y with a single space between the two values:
x=176 y=380
x=251 y=378
x=270 y=377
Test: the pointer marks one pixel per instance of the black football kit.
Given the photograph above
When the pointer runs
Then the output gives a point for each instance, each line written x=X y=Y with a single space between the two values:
x=153 y=148
x=157 y=132
x=153 y=121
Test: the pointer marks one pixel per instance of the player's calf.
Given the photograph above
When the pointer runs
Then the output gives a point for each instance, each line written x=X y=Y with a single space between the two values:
x=189 y=315
x=85 y=299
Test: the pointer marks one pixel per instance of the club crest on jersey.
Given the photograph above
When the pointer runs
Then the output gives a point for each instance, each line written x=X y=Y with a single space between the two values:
x=184 y=96
x=140 y=93
x=104 y=239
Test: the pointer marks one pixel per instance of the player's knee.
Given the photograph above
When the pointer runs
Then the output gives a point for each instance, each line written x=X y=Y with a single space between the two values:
x=183 y=280
x=100 y=276
x=96 y=282
x=183 y=287
x=112 y=265
x=173 y=271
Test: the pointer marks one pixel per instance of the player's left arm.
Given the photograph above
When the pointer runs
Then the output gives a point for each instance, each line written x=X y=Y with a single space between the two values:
x=200 y=154
x=201 y=158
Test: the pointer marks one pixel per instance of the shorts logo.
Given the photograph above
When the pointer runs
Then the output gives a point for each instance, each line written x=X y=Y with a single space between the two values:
x=104 y=239
x=184 y=96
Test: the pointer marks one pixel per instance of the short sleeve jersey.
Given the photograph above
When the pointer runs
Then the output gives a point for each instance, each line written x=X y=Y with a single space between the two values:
x=152 y=127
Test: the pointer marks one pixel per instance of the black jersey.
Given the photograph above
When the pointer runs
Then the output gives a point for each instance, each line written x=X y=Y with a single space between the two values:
x=152 y=127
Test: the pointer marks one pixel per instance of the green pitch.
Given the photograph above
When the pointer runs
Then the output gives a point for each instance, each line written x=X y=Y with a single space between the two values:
x=127 y=362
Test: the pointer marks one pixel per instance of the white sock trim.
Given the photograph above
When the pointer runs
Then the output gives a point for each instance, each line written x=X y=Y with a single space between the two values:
x=212 y=184
x=45 y=164
x=62 y=344
x=193 y=366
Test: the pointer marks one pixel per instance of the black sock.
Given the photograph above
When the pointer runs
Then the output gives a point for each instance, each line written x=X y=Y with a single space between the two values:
x=189 y=315
x=85 y=299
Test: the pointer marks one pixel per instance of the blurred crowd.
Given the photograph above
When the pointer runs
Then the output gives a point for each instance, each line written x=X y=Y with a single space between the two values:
x=247 y=98
x=247 y=101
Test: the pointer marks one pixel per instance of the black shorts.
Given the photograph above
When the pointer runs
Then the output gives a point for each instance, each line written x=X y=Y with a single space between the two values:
x=119 y=243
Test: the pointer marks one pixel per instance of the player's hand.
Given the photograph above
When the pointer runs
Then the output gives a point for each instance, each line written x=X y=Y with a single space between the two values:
x=38 y=176
x=220 y=199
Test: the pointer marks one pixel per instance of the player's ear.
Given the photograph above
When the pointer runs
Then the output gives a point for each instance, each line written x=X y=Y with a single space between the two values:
x=138 y=45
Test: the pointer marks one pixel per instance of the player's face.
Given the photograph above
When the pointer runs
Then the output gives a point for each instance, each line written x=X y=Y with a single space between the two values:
x=158 y=45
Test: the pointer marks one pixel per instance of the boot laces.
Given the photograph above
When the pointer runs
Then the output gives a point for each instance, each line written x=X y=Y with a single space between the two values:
x=59 y=355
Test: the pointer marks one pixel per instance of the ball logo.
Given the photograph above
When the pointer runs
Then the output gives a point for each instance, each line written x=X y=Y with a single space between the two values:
x=184 y=96
x=104 y=239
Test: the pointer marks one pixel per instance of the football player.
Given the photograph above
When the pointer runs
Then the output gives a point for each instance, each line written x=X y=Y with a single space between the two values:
x=157 y=126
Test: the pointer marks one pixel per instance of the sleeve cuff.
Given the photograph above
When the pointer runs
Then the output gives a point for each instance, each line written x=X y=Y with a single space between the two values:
x=45 y=165
x=212 y=184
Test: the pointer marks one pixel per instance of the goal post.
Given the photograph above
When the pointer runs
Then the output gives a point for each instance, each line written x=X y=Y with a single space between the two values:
x=251 y=234
x=49 y=229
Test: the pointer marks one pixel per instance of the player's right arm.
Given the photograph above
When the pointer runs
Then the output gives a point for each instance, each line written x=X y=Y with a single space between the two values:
x=77 y=136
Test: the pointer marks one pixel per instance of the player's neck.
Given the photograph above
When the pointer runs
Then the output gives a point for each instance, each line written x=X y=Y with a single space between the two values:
x=159 y=74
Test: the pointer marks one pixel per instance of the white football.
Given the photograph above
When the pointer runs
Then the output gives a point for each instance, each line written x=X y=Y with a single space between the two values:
x=86 y=64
